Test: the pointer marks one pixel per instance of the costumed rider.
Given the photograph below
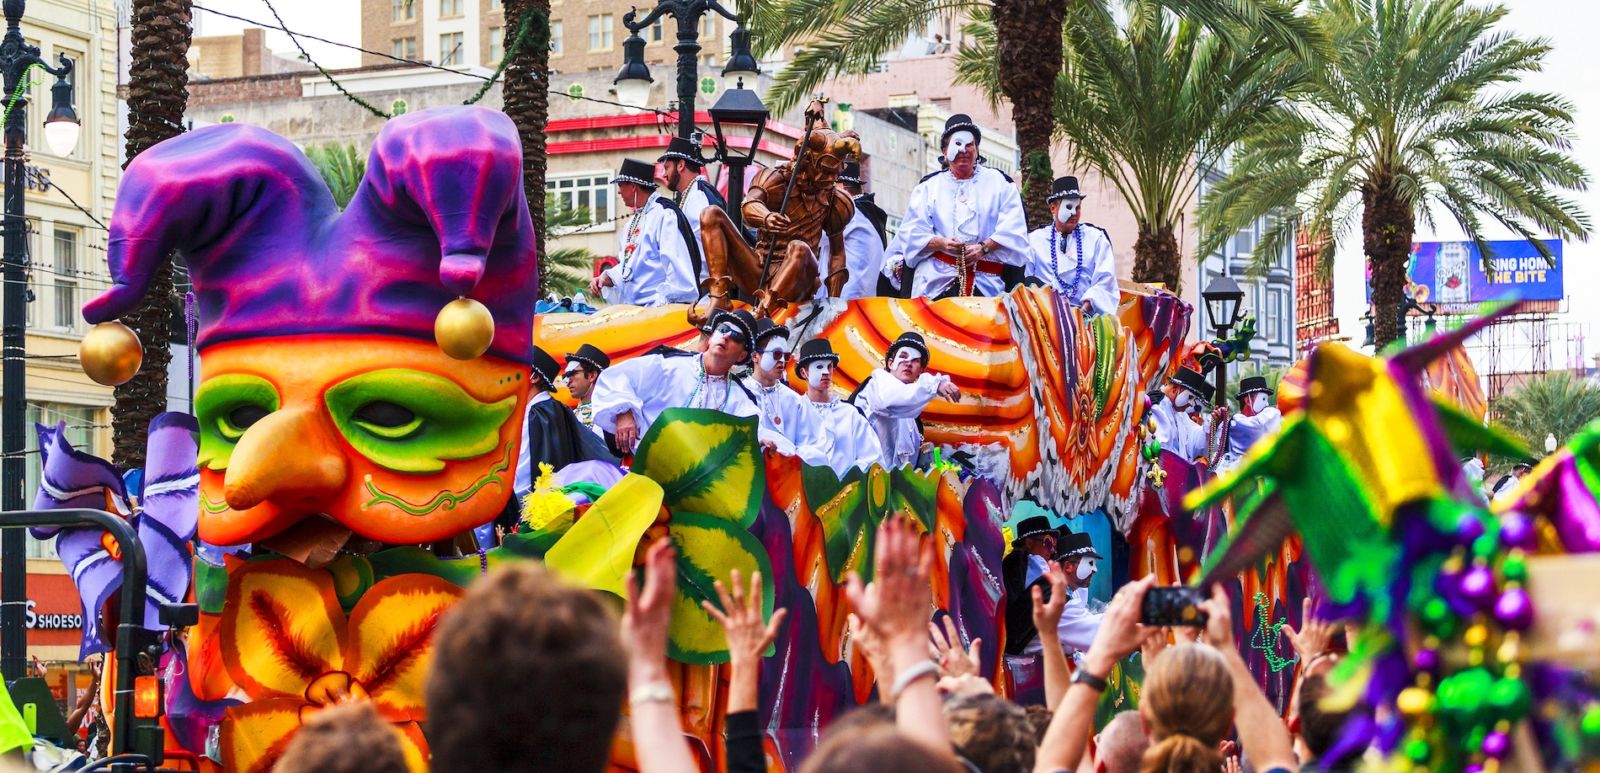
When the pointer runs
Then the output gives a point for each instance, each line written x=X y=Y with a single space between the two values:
x=1078 y=626
x=658 y=251
x=1034 y=546
x=552 y=433
x=865 y=237
x=964 y=226
x=582 y=370
x=787 y=421
x=680 y=169
x=1074 y=257
x=629 y=396
x=1256 y=419
x=1185 y=393
x=894 y=397
x=851 y=440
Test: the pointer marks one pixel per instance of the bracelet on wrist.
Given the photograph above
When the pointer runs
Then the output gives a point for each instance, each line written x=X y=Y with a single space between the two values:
x=910 y=676
x=652 y=692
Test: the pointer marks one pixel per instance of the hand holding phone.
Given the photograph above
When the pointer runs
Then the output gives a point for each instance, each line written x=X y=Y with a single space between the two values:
x=1177 y=605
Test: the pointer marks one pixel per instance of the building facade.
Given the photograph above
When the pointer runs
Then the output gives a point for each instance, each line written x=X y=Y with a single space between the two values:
x=68 y=201
x=236 y=56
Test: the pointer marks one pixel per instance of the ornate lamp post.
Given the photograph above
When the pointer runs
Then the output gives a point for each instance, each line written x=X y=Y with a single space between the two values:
x=738 y=106
x=633 y=80
x=1224 y=302
x=61 y=133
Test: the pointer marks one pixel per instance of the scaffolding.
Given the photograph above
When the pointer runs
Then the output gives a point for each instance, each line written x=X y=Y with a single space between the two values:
x=1521 y=346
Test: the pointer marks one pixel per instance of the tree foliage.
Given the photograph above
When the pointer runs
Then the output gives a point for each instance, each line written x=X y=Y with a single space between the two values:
x=1556 y=403
x=341 y=167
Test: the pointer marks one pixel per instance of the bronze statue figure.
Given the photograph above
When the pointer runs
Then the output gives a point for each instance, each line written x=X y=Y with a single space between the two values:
x=790 y=216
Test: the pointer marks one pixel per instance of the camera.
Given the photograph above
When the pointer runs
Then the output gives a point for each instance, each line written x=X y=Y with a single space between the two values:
x=1177 y=605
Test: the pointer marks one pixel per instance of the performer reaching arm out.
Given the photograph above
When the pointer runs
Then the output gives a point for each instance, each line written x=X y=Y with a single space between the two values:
x=893 y=399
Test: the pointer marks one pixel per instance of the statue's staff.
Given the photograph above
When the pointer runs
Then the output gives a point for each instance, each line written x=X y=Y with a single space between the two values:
x=788 y=188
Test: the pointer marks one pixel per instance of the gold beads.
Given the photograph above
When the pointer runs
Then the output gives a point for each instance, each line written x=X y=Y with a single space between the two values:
x=111 y=353
x=1413 y=702
x=464 y=329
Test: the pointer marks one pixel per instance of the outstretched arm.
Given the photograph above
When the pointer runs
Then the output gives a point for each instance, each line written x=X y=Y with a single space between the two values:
x=891 y=397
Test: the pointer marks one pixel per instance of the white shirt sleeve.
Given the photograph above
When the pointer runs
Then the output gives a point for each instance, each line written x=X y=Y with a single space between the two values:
x=1010 y=233
x=1101 y=291
x=619 y=390
x=888 y=396
x=1078 y=627
x=864 y=257
x=918 y=226
x=680 y=281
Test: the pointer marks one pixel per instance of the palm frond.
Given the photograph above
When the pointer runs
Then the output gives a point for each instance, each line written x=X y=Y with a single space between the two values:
x=341 y=167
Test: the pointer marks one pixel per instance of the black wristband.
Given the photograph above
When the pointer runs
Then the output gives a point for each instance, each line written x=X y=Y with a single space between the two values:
x=1083 y=677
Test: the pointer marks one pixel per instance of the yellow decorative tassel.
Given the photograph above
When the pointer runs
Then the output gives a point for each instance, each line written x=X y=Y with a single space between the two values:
x=545 y=508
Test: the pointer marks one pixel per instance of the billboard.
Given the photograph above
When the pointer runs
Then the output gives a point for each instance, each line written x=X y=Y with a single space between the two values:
x=1454 y=272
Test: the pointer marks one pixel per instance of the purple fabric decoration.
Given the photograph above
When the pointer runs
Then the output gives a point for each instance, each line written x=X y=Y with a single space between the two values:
x=165 y=524
x=440 y=214
x=190 y=718
x=602 y=473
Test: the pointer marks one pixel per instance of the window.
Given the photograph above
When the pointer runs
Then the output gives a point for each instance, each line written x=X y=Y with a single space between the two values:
x=497 y=5
x=657 y=31
x=66 y=279
x=450 y=45
x=557 y=33
x=405 y=48
x=403 y=10
x=600 y=32
x=449 y=9
x=1245 y=242
x=81 y=420
x=497 y=48
x=708 y=27
x=588 y=192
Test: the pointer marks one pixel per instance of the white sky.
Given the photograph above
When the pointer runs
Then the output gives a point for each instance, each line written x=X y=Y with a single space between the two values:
x=1572 y=26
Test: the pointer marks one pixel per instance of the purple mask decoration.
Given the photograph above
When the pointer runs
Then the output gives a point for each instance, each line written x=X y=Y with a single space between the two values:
x=440 y=214
x=165 y=524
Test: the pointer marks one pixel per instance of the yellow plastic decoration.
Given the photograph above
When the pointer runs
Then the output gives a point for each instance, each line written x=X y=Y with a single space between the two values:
x=597 y=552
x=545 y=508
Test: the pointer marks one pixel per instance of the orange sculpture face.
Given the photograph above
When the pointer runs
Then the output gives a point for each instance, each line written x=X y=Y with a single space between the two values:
x=388 y=437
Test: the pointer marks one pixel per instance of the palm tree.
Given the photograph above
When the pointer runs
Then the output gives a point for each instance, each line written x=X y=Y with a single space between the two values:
x=1416 y=109
x=1152 y=103
x=566 y=270
x=341 y=168
x=526 y=95
x=158 y=79
x=1023 y=54
x=1548 y=404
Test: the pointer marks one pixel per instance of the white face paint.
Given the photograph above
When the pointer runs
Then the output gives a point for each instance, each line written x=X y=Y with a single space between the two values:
x=1086 y=568
x=770 y=359
x=904 y=354
x=1065 y=210
x=959 y=141
x=1182 y=400
x=1258 y=402
x=817 y=372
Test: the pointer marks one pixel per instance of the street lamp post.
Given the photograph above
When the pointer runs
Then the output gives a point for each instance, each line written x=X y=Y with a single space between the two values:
x=61 y=133
x=633 y=80
x=738 y=106
x=1224 y=300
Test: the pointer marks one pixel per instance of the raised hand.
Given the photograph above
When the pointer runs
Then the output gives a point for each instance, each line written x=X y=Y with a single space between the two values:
x=947 y=652
x=1047 y=614
x=1314 y=636
x=748 y=636
x=647 y=612
x=896 y=604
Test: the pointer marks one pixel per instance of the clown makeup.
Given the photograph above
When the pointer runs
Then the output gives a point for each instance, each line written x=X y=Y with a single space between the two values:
x=775 y=356
x=1258 y=402
x=1182 y=400
x=727 y=331
x=819 y=375
x=1086 y=568
x=906 y=364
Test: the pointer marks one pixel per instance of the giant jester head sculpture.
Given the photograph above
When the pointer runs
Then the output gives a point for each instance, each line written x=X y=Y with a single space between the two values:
x=324 y=393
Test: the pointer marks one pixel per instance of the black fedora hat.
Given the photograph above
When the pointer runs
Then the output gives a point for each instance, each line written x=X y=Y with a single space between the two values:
x=814 y=350
x=909 y=339
x=1251 y=384
x=547 y=368
x=682 y=149
x=1034 y=526
x=766 y=328
x=1194 y=381
x=590 y=355
x=1075 y=545
x=1064 y=188
x=638 y=172
x=959 y=122
x=851 y=174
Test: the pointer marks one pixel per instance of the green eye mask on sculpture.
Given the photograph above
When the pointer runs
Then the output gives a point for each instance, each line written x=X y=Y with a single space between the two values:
x=226 y=406
x=413 y=421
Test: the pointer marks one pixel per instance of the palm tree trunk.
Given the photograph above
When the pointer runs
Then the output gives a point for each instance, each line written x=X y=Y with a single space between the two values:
x=1387 y=225
x=1028 y=35
x=158 y=79
x=1157 y=260
x=527 y=83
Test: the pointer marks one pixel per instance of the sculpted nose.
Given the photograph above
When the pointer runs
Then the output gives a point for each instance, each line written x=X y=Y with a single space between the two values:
x=286 y=457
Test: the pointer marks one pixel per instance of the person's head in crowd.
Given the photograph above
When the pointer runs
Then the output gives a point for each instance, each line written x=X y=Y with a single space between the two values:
x=680 y=165
x=1121 y=746
x=1075 y=551
x=991 y=733
x=877 y=747
x=558 y=645
x=850 y=178
x=960 y=145
x=1187 y=707
x=635 y=181
x=1318 y=727
x=346 y=738
x=1039 y=720
x=815 y=364
x=907 y=357
x=583 y=369
x=542 y=375
x=732 y=336
x=1064 y=199
x=772 y=351
x=1036 y=537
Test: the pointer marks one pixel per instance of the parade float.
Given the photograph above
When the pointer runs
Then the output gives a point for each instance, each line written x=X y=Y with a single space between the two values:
x=362 y=386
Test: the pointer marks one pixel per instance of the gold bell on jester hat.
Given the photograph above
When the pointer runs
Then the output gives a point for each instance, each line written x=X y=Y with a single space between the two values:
x=111 y=353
